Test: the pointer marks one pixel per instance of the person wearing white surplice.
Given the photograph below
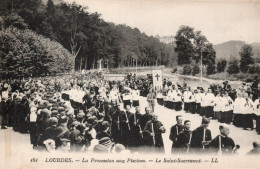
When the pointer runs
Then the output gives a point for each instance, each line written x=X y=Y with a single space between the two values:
x=257 y=113
x=228 y=102
x=171 y=94
x=247 y=115
x=237 y=120
x=209 y=103
x=135 y=97
x=186 y=98
x=217 y=106
x=178 y=101
x=127 y=98
x=197 y=98
x=114 y=95
x=203 y=102
x=192 y=107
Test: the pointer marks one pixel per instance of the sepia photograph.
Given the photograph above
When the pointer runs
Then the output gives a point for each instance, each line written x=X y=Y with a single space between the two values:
x=129 y=84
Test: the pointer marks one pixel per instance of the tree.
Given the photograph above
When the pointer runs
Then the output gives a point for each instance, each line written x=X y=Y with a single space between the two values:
x=15 y=20
x=195 y=70
x=221 y=65
x=27 y=53
x=50 y=8
x=211 y=68
x=184 y=46
x=233 y=67
x=246 y=54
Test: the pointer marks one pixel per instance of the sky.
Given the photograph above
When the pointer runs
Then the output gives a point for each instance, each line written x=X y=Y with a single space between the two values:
x=219 y=21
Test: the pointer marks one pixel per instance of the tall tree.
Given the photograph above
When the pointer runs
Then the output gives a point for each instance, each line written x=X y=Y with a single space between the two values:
x=184 y=44
x=246 y=54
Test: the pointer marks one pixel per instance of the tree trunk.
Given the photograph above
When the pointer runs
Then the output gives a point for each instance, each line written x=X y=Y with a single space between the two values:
x=85 y=63
x=80 y=64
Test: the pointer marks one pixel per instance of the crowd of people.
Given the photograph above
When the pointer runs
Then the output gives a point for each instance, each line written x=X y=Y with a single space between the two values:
x=237 y=106
x=88 y=113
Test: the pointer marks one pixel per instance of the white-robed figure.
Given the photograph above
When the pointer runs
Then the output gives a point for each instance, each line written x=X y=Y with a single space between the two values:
x=197 y=98
x=192 y=107
x=217 y=106
x=171 y=95
x=178 y=100
x=228 y=108
x=135 y=97
x=247 y=116
x=102 y=91
x=210 y=97
x=186 y=98
x=114 y=95
x=238 y=109
x=165 y=95
x=127 y=97
x=159 y=97
x=203 y=102
x=257 y=113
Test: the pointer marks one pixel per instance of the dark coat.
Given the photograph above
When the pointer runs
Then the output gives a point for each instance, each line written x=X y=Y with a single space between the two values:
x=197 y=138
x=174 y=133
x=158 y=135
x=227 y=145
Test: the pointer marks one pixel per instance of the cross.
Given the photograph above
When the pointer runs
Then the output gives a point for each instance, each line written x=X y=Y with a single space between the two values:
x=157 y=77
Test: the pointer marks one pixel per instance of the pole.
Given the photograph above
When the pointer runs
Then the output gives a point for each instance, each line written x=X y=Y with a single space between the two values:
x=153 y=135
x=136 y=66
x=189 y=143
x=204 y=133
x=201 y=66
x=127 y=121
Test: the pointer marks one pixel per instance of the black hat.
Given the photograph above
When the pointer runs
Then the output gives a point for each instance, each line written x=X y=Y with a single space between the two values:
x=205 y=120
x=63 y=119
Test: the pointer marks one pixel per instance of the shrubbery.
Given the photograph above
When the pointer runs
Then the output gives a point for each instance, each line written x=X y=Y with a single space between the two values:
x=233 y=67
x=211 y=68
x=195 y=70
x=186 y=70
x=221 y=66
x=254 y=69
x=27 y=53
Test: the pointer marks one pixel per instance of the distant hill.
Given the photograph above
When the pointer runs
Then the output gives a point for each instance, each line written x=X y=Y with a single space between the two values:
x=54 y=1
x=230 y=50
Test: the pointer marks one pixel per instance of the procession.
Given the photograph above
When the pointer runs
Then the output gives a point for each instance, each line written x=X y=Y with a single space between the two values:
x=87 y=113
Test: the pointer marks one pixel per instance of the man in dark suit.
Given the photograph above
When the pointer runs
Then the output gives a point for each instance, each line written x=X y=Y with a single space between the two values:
x=136 y=131
x=50 y=132
x=145 y=117
x=154 y=128
x=201 y=137
x=62 y=130
x=175 y=130
x=184 y=138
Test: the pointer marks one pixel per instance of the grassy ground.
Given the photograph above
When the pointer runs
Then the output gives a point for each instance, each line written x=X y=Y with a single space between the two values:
x=240 y=76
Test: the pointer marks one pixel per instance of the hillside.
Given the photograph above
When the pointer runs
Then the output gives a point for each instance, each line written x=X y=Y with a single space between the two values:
x=230 y=49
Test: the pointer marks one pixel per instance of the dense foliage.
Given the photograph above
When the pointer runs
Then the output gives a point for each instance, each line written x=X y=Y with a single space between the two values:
x=86 y=35
x=29 y=54
x=191 y=46
x=246 y=54
x=233 y=67
x=221 y=65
